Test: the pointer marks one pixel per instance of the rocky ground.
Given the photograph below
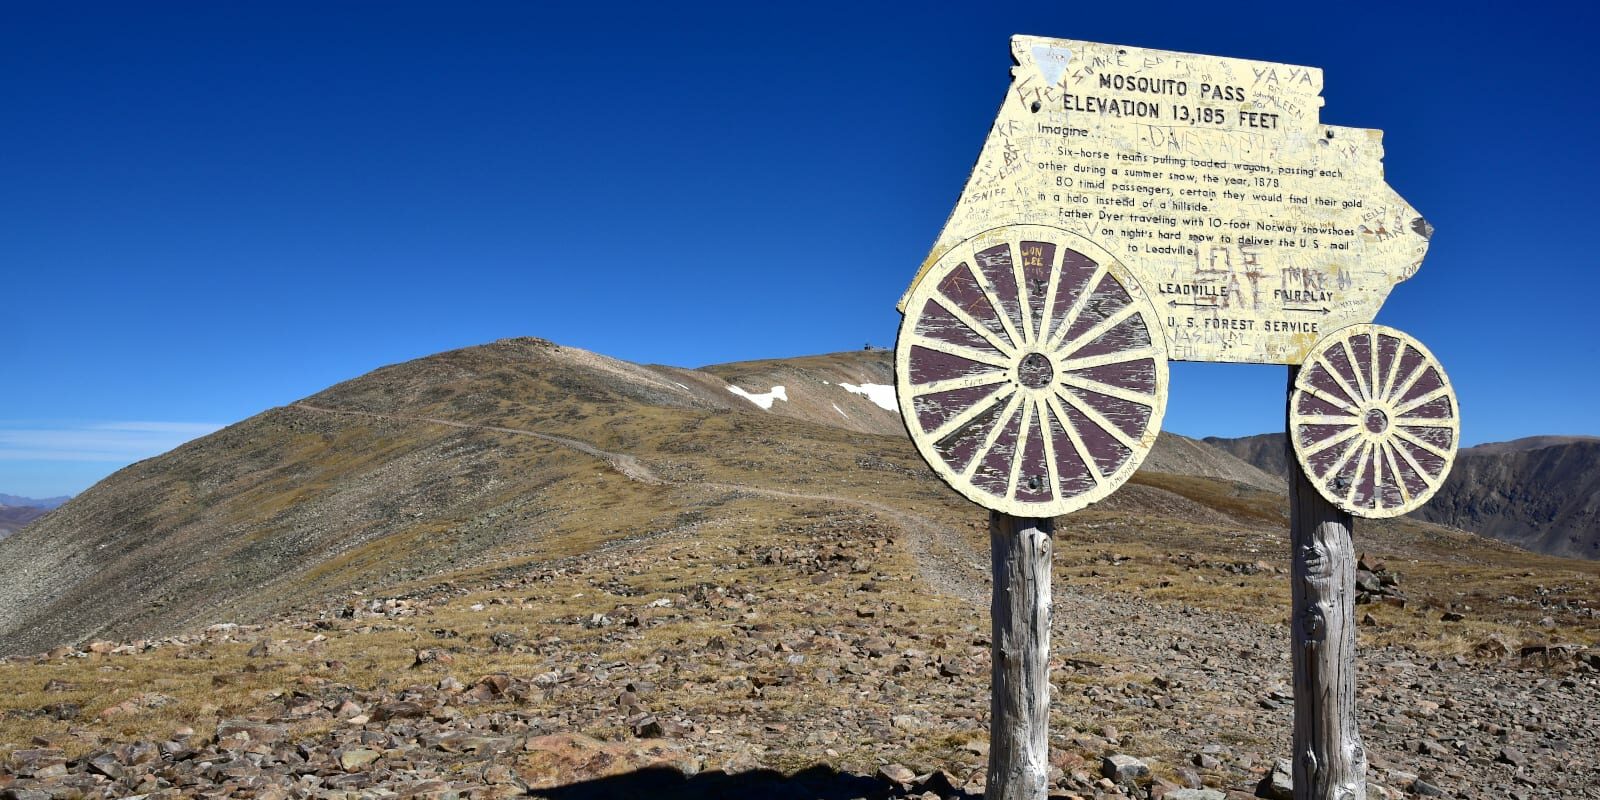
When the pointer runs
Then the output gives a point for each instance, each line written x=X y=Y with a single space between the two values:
x=816 y=662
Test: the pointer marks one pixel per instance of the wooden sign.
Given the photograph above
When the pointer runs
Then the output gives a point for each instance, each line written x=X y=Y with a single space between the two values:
x=1254 y=229
x=1029 y=370
x=1132 y=206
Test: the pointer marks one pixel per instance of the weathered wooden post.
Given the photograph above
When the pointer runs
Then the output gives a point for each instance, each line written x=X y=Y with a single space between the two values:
x=1019 y=701
x=1130 y=206
x=1329 y=761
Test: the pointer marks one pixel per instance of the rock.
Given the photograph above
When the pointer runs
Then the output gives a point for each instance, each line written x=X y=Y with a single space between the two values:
x=103 y=763
x=62 y=711
x=249 y=730
x=1425 y=789
x=1512 y=756
x=400 y=709
x=1123 y=768
x=432 y=656
x=1194 y=794
x=490 y=687
x=1279 y=784
x=897 y=774
x=352 y=760
x=1495 y=646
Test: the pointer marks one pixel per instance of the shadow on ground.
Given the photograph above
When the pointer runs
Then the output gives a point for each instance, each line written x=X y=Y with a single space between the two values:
x=813 y=783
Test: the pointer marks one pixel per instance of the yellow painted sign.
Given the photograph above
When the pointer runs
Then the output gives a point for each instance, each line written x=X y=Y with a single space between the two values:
x=1253 y=228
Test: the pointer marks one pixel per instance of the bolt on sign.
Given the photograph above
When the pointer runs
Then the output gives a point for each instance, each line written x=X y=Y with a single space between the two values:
x=1132 y=206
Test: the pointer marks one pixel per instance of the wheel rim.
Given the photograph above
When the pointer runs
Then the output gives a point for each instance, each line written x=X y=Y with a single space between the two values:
x=1030 y=371
x=1374 y=421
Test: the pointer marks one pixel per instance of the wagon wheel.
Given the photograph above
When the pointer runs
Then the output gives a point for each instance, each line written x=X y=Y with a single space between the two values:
x=1029 y=371
x=1374 y=421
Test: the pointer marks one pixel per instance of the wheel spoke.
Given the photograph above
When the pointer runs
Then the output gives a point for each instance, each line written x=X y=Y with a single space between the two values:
x=1411 y=379
x=1425 y=422
x=1377 y=473
x=1351 y=447
x=996 y=360
x=1099 y=420
x=1405 y=455
x=1372 y=355
x=1043 y=412
x=1328 y=398
x=1400 y=432
x=994 y=302
x=994 y=435
x=1394 y=470
x=1355 y=366
x=955 y=310
x=1050 y=296
x=1077 y=440
x=1022 y=446
x=1078 y=304
x=1422 y=401
x=1100 y=328
x=1344 y=385
x=1324 y=419
x=1394 y=371
x=1089 y=362
x=1108 y=390
x=971 y=413
x=965 y=382
x=1332 y=441
x=1355 y=482
x=1023 y=305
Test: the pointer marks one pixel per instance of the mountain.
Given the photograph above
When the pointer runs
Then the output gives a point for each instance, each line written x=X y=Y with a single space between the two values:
x=12 y=518
x=1541 y=493
x=46 y=504
x=512 y=451
x=1265 y=451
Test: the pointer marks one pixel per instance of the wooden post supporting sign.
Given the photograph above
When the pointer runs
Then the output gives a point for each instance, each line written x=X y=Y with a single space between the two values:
x=1019 y=701
x=1329 y=761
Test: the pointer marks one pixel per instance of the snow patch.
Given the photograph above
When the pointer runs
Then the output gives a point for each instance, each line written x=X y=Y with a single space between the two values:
x=840 y=410
x=882 y=396
x=764 y=399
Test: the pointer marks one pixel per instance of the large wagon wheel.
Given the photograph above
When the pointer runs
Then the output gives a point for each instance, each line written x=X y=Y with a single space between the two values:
x=1030 y=372
x=1374 y=421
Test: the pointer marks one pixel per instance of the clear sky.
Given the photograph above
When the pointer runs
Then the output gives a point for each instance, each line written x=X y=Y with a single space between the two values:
x=209 y=209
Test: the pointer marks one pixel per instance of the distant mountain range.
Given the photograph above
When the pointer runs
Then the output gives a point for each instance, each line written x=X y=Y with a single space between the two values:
x=46 y=504
x=15 y=512
x=1541 y=493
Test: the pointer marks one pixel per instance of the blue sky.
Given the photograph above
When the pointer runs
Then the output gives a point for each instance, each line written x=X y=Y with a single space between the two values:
x=215 y=208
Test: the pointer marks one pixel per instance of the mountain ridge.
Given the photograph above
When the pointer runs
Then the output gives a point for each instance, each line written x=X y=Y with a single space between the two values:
x=1540 y=493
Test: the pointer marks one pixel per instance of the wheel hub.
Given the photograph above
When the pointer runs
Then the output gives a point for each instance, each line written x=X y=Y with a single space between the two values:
x=1035 y=371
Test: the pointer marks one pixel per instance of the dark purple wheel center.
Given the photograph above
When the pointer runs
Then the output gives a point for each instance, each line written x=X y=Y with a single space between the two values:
x=1035 y=371
x=1377 y=421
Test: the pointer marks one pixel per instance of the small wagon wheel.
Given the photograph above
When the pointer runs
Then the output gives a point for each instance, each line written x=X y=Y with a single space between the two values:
x=1374 y=421
x=1030 y=372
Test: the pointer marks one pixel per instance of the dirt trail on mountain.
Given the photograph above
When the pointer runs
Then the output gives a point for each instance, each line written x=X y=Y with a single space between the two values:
x=946 y=564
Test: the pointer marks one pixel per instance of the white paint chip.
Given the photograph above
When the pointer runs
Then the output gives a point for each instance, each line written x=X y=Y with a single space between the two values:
x=882 y=396
x=765 y=399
